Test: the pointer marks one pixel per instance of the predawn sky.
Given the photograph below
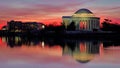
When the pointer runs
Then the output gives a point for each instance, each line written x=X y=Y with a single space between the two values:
x=51 y=11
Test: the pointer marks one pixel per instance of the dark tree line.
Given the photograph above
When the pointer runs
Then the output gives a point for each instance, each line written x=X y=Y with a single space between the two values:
x=70 y=27
x=108 y=26
x=54 y=28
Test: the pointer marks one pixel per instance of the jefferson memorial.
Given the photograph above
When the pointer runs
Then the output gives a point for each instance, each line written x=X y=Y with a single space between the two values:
x=83 y=19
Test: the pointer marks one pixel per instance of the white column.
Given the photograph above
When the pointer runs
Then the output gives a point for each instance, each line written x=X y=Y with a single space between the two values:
x=96 y=26
x=90 y=25
x=87 y=24
x=93 y=24
x=83 y=24
x=79 y=24
x=75 y=25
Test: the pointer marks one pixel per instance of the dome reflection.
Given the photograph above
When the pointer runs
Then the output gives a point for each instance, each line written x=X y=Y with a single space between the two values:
x=82 y=52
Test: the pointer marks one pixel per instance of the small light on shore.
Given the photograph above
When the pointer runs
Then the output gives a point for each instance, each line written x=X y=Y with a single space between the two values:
x=43 y=26
x=43 y=44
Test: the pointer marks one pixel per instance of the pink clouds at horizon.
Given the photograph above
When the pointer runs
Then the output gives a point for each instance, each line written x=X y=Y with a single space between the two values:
x=52 y=12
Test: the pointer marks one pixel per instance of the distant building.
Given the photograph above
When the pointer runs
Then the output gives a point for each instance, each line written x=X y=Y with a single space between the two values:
x=32 y=26
x=18 y=26
x=14 y=26
x=83 y=19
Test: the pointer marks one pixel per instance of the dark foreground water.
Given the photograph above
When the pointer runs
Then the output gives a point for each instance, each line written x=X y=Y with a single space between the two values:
x=17 y=52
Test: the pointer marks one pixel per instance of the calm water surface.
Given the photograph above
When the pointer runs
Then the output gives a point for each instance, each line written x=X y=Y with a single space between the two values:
x=20 y=52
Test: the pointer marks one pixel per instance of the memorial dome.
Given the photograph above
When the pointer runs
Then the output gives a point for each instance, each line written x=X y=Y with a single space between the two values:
x=80 y=11
x=83 y=13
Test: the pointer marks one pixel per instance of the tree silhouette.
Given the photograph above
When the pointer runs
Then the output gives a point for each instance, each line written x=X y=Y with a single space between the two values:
x=4 y=27
x=71 y=26
x=107 y=25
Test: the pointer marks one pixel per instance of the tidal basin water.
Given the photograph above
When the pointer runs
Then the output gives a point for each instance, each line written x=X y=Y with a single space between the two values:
x=22 y=52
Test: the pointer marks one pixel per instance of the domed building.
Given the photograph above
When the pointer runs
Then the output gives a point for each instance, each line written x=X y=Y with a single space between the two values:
x=83 y=19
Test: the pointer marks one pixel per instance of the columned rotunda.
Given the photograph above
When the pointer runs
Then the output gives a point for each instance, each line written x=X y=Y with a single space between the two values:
x=83 y=19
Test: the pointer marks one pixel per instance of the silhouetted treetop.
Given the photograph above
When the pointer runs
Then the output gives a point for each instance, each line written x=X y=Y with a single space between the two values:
x=109 y=26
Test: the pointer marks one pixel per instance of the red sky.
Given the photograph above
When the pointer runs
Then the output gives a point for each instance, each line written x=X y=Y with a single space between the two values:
x=51 y=11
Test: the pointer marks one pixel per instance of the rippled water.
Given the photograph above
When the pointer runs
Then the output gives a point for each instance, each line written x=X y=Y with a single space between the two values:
x=20 y=52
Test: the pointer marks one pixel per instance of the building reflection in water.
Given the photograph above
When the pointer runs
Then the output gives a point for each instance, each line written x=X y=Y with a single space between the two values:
x=17 y=41
x=82 y=51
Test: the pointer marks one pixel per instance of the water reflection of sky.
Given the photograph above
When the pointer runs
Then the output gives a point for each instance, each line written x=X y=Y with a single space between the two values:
x=26 y=53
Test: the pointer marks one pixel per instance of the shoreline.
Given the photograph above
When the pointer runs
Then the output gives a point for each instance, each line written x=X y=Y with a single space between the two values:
x=64 y=34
